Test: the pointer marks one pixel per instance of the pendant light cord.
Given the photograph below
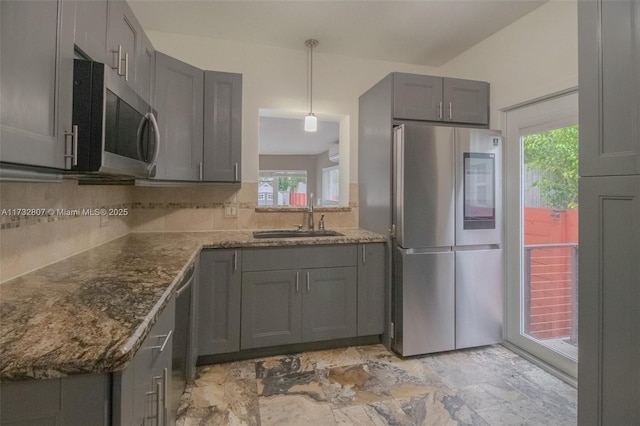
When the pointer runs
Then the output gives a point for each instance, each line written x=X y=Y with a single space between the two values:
x=311 y=43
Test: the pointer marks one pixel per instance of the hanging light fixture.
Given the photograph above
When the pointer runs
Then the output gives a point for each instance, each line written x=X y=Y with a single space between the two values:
x=311 y=121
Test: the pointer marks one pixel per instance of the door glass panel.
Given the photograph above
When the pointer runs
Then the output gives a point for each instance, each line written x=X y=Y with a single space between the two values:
x=550 y=239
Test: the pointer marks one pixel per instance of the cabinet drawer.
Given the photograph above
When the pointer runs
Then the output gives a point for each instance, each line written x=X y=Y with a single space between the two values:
x=261 y=259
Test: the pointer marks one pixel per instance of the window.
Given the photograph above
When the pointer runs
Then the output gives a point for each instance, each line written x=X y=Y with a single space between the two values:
x=282 y=188
x=331 y=186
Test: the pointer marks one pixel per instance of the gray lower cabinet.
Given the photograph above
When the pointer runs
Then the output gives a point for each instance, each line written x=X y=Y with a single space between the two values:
x=141 y=391
x=371 y=280
x=36 y=82
x=138 y=395
x=219 y=294
x=329 y=303
x=298 y=294
x=57 y=402
x=297 y=306
x=179 y=103
x=271 y=308
x=609 y=318
x=431 y=98
x=222 y=127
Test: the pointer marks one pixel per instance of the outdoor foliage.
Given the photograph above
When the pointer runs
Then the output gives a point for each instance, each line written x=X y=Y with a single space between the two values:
x=555 y=155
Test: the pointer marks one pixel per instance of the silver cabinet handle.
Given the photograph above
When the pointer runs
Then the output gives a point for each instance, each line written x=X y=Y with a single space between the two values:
x=235 y=260
x=450 y=111
x=200 y=170
x=185 y=286
x=297 y=282
x=308 y=282
x=165 y=392
x=126 y=67
x=74 y=145
x=164 y=344
x=440 y=110
x=118 y=66
x=235 y=172
x=159 y=419
x=364 y=254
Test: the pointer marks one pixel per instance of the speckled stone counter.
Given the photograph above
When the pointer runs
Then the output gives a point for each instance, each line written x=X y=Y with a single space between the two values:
x=90 y=313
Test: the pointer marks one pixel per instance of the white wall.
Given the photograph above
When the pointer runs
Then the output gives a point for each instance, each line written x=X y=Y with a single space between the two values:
x=276 y=78
x=531 y=58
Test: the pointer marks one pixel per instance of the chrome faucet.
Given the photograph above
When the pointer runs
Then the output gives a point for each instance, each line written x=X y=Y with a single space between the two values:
x=310 y=223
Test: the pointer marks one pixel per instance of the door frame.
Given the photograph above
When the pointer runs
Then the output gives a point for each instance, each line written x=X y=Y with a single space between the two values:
x=543 y=114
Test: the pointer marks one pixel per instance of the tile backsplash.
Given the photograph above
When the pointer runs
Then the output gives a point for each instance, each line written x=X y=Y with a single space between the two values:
x=42 y=223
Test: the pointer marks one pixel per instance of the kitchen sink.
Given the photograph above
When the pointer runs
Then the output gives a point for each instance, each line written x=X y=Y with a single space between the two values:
x=286 y=233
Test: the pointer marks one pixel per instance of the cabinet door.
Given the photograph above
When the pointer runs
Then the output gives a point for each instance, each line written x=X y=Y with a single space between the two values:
x=271 y=308
x=219 y=302
x=223 y=126
x=146 y=68
x=417 y=97
x=329 y=303
x=609 y=386
x=609 y=79
x=371 y=278
x=179 y=97
x=466 y=101
x=36 y=82
x=124 y=33
x=91 y=28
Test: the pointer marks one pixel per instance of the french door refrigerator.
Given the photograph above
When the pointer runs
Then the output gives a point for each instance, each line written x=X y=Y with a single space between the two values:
x=448 y=238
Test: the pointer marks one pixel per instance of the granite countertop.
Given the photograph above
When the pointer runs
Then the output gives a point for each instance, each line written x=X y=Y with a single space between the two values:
x=90 y=313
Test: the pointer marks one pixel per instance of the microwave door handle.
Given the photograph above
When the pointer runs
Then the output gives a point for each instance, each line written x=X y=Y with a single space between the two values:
x=154 y=160
x=141 y=155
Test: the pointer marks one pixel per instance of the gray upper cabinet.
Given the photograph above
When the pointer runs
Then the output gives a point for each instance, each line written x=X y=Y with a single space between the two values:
x=146 y=69
x=609 y=81
x=222 y=127
x=219 y=295
x=179 y=103
x=417 y=97
x=90 y=29
x=36 y=81
x=430 y=98
x=466 y=101
x=124 y=41
x=371 y=279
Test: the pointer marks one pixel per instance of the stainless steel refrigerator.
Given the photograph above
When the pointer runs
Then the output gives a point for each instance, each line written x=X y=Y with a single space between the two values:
x=447 y=215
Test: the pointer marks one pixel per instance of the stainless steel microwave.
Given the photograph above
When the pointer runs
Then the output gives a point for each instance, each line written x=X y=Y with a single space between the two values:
x=115 y=131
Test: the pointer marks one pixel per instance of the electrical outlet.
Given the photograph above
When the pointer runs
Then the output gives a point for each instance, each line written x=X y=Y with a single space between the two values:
x=231 y=210
x=104 y=220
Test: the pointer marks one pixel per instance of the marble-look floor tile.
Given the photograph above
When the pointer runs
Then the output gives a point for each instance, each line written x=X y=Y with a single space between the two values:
x=351 y=385
x=379 y=413
x=294 y=410
x=369 y=385
x=231 y=402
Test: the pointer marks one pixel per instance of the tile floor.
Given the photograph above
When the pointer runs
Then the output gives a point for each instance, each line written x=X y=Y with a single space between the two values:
x=368 y=385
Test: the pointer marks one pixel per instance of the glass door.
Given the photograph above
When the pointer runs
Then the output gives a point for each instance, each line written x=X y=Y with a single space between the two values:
x=542 y=231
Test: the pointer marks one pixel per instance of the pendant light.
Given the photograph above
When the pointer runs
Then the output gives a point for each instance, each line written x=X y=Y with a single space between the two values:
x=311 y=121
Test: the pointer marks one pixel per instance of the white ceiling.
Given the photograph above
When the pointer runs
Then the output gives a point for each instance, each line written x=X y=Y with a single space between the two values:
x=425 y=32
x=286 y=136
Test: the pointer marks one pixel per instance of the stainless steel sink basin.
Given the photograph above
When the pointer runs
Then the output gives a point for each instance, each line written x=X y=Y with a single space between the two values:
x=285 y=233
